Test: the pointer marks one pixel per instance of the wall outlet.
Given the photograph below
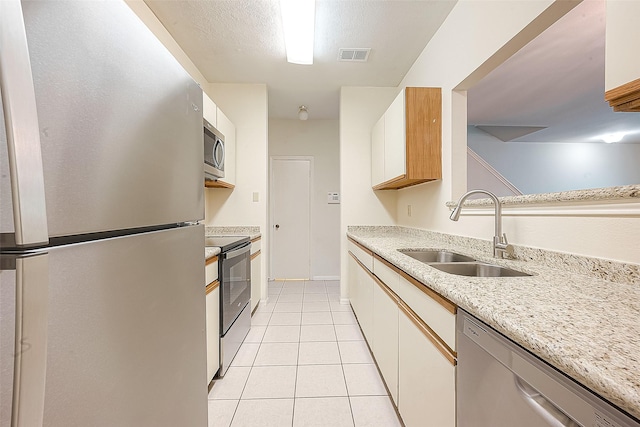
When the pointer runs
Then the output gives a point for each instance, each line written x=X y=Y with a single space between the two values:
x=408 y=210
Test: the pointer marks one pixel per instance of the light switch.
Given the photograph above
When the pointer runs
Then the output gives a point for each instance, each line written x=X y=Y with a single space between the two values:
x=256 y=196
x=333 y=198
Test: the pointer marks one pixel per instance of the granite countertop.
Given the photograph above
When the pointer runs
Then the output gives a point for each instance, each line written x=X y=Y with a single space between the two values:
x=211 y=252
x=252 y=231
x=583 y=325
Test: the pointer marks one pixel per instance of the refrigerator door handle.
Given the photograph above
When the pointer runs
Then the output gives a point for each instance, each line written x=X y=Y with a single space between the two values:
x=23 y=134
x=30 y=349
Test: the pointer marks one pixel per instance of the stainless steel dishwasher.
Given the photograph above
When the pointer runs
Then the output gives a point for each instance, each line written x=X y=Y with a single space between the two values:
x=499 y=384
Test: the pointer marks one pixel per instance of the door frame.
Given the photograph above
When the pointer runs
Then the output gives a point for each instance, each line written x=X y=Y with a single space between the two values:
x=310 y=159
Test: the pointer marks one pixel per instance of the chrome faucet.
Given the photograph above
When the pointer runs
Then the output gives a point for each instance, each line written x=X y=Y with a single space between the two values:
x=500 y=243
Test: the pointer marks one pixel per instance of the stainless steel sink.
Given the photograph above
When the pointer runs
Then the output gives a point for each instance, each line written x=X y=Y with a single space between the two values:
x=429 y=256
x=477 y=269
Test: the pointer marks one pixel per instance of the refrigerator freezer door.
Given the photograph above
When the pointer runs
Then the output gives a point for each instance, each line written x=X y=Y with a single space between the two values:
x=120 y=120
x=126 y=339
x=23 y=338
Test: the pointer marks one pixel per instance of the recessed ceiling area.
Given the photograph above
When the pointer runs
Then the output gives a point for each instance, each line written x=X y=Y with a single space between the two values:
x=242 y=41
x=556 y=82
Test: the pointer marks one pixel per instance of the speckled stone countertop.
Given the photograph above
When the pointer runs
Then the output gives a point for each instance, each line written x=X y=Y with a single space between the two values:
x=623 y=193
x=251 y=231
x=566 y=313
x=211 y=252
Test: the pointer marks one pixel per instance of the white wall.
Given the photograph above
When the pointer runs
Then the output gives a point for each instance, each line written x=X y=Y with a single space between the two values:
x=622 y=62
x=319 y=139
x=360 y=109
x=547 y=167
x=246 y=106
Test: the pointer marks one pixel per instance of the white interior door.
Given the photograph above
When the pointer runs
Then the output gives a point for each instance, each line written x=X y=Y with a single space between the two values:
x=290 y=217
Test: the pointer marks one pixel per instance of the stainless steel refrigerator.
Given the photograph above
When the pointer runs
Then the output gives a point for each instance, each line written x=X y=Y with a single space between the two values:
x=102 y=319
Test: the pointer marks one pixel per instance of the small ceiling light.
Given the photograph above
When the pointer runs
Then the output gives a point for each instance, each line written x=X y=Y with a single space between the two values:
x=613 y=137
x=303 y=114
x=298 y=21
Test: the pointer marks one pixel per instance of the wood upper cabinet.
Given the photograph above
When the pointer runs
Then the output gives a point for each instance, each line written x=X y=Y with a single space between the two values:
x=406 y=143
x=625 y=98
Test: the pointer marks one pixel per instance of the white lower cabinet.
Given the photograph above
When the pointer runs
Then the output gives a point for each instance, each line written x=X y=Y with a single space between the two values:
x=365 y=304
x=385 y=337
x=398 y=321
x=426 y=379
x=213 y=332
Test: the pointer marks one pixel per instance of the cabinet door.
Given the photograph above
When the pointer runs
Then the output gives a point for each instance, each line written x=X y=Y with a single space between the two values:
x=395 y=139
x=385 y=338
x=256 y=275
x=213 y=332
x=365 y=304
x=377 y=153
x=228 y=129
x=209 y=110
x=353 y=284
x=426 y=379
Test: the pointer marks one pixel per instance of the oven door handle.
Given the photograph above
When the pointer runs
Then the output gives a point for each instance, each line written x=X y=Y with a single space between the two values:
x=237 y=252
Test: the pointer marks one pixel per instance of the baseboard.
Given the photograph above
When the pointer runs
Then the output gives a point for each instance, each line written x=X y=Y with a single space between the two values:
x=325 y=278
x=344 y=301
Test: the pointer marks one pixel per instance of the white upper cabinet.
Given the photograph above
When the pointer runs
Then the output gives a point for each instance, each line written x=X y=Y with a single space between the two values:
x=395 y=139
x=228 y=129
x=406 y=146
x=209 y=110
x=377 y=152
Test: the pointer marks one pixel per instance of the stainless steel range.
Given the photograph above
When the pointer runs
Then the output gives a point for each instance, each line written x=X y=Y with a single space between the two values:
x=235 y=294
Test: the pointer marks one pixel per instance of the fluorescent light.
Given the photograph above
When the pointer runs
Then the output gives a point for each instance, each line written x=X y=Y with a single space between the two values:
x=298 y=21
x=613 y=137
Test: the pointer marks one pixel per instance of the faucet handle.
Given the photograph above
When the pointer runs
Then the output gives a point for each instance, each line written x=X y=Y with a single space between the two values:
x=504 y=239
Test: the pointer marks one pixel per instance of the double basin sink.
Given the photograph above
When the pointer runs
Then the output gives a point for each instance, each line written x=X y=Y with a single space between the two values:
x=461 y=265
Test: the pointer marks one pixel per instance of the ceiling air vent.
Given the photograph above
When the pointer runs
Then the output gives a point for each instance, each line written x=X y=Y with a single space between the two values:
x=354 y=55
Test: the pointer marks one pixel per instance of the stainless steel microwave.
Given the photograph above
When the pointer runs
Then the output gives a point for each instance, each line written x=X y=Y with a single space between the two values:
x=213 y=152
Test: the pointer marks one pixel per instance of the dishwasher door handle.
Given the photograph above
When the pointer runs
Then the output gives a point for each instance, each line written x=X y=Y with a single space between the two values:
x=543 y=406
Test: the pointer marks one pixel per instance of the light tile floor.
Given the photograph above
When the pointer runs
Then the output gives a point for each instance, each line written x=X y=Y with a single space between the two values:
x=304 y=363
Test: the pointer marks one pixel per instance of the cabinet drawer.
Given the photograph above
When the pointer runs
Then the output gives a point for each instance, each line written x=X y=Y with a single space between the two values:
x=211 y=270
x=439 y=315
x=364 y=255
x=388 y=276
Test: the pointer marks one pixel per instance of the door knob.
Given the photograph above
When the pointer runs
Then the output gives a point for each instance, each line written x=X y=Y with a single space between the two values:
x=277 y=226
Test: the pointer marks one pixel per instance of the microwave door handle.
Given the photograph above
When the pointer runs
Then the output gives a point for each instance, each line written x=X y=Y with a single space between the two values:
x=220 y=145
x=21 y=123
x=29 y=311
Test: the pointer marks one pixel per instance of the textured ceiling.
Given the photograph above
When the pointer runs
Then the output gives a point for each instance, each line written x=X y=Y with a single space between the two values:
x=556 y=82
x=241 y=41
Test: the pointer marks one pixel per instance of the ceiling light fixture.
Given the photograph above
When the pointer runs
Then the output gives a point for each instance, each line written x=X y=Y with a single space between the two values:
x=613 y=137
x=298 y=21
x=303 y=114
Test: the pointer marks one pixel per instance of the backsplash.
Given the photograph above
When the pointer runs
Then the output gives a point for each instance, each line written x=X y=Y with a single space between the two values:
x=217 y=230
x=597 y=268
